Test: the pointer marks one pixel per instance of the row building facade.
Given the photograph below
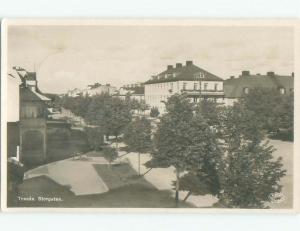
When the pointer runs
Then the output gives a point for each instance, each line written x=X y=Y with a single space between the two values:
x=238 y=87
x=196 y=82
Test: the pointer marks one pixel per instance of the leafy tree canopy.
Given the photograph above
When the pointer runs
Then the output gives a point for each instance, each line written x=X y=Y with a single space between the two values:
x=137 y=135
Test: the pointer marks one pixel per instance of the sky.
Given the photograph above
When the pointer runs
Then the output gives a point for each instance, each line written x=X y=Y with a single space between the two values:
x=67 y=57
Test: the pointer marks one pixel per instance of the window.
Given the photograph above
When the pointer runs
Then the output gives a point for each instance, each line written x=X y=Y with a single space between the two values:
x=282 y=91
x=171 y=86
x=216 y=86
x=246 y=90
x=199 y=75
x=205 y=86
x=184 y=86
x=195 y=86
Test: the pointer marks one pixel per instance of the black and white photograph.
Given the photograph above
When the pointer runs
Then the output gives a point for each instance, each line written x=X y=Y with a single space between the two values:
x=137 y=114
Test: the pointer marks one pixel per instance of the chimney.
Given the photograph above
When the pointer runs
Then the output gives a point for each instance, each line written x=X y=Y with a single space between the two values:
x=189 y=63
x=170 y=67
x=232 y=77
x=293 y=74
x=178 y=65
x=245 y=73
x=270 y=73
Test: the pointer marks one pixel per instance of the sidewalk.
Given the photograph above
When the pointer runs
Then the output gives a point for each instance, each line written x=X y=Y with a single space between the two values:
x=79 y=175
x=162 y=179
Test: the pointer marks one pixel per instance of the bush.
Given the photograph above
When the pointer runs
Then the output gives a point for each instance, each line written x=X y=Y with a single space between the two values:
x=110 y=154
x=154 y=112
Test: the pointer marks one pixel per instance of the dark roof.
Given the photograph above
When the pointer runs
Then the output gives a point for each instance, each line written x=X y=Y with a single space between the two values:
x=28 y=95
x=234 y=88
x=136 y=90
x=186 y=72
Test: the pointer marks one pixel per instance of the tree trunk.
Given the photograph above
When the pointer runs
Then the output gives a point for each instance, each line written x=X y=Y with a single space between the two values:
x=187 y=196
x=139 y=163
x=177 y=188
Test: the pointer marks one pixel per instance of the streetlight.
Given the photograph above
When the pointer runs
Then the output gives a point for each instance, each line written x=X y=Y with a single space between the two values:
x=199 y=76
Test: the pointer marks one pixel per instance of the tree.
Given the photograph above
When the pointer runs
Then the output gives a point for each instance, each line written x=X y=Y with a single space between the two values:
x=154 y=112
x=250 y=176
x=274 y=110
x=110 y=154
x=143 y=106
x=210 y=111
x=285 y=114
x=132 y=103
x=248 y=173
x=97 y=111
x=120 y=116
x=204 y=160
x=95 y=137
x=185 y=141
x=199 y=184
x=78 y=105
x=172 y=138
x=110 y=114
x=137 y=136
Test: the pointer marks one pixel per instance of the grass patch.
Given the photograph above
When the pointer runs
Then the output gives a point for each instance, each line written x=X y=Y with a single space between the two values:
x=129 y=196
x=134 y=196
x=94 y=154
x=120 y=175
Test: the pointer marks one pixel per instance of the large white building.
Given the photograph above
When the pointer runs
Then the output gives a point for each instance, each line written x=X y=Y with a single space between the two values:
x=98 y=89
x=190 y=79
x=74 y=92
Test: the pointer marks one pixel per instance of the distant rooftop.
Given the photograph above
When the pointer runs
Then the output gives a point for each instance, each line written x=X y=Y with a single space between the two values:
x=188 y=72
x=234 y=87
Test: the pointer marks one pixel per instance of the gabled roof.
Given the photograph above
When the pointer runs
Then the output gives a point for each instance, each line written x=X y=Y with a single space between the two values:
x=234 y=88
x=184 y=73
x=29 y=95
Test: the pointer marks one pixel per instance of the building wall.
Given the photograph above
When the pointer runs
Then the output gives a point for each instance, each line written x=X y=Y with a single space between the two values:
x=12 y=100
x=157 y=92
x=33 y=150
x=103 y=89
x=12 y=138
x=32 y=131
x=73 y=93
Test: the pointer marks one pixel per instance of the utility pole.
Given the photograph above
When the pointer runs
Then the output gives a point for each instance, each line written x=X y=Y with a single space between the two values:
x=199 y=77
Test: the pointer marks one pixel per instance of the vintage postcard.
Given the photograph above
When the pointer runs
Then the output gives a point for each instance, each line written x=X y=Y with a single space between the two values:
x=150 y=115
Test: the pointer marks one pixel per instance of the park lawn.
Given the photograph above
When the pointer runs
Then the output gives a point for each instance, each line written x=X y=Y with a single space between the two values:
x=133 y=196
x=129 y=196
x=41 y=186
x=127 y=190
x=120 y=175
